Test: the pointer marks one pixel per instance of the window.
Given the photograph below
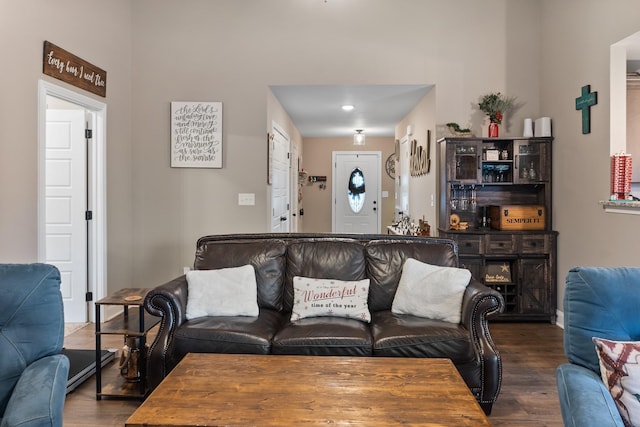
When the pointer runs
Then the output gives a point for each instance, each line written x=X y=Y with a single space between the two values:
x=355 y=191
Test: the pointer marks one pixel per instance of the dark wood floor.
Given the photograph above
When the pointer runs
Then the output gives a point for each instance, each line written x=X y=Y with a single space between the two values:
x=528 y=398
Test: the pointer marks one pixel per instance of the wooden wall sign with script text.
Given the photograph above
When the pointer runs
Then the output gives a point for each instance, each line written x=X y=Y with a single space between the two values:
x=65 y=66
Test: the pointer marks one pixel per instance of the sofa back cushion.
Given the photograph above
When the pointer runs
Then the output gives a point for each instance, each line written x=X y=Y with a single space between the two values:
x=324 y=258
x=385 y=259
x=266 y=256
x=599 y=302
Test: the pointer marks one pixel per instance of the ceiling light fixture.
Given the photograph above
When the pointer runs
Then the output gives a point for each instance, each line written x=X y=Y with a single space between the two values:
x=348 y=107
x=358 y=137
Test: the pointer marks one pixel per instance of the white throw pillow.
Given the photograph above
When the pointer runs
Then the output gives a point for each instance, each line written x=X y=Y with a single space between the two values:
x=620 y=371
x=224 y=292
x=329 y=297
x=431 y=291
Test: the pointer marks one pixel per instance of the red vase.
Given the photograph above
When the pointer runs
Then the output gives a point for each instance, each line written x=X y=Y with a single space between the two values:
x=493 y=130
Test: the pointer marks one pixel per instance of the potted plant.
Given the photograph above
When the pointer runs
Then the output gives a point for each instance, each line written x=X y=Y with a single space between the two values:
x=495 y=105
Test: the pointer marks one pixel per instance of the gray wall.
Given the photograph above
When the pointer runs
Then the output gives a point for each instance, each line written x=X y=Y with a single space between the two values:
x=576 y=36
x=158 y=51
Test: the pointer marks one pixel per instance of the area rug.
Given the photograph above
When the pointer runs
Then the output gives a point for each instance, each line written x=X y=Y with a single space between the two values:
x=83 y=365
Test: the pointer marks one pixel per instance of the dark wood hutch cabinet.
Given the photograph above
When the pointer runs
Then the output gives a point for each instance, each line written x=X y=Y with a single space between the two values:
x=476 y=173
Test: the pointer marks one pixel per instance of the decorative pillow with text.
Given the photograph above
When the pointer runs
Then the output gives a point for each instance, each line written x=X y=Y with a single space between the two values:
x=329 y=297
x=224 y=292
x=620 y=371
x=431 y=291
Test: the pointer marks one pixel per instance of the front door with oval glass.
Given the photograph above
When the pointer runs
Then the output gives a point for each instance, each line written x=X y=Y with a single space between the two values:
x=356 y=192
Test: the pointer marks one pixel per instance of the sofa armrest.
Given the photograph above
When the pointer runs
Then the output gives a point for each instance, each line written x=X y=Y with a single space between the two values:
x=584 y=399
x=38 y=397
x=169 y=302
x=479 y=303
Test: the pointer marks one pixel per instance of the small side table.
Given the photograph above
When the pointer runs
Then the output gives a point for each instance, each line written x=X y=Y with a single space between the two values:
x=133 y=323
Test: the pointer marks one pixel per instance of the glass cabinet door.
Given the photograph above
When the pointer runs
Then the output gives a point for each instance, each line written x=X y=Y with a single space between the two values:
x=531 y=160
x=464 y=163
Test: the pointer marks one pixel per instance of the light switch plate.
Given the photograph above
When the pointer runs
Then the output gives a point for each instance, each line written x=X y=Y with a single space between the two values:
x=246 y=199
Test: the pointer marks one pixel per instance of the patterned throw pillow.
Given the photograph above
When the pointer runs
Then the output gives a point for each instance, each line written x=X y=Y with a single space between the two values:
x=329 y=297
x=620 y=370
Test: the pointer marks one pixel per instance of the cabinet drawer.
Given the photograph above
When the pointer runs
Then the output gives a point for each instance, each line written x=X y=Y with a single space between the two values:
x=534 y=244
x=469 y=245
x=498 y=244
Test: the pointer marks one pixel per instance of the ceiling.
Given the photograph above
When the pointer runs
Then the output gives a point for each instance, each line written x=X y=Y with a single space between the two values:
x=316 y=110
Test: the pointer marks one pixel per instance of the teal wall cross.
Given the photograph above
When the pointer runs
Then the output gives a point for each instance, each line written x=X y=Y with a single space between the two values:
x=584 y=103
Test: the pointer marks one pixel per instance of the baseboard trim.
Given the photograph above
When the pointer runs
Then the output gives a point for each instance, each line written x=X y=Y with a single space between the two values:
x=560 y=318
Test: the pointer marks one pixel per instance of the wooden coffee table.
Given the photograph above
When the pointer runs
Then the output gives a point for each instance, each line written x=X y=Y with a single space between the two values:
x=259 y=390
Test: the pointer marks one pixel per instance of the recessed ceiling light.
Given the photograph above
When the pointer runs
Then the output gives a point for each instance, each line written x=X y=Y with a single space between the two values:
x=348 y=107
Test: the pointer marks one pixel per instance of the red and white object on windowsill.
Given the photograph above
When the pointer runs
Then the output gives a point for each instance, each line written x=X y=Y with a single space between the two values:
x=621 y=168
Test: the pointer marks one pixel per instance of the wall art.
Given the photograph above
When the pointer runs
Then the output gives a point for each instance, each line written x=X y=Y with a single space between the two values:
x=196 y=134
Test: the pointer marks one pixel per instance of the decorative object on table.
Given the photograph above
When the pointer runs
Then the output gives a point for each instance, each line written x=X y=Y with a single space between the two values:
x=495 y=105
x=424 y=229
x=543 y=126
x=130 y=368
x=528 y=128
x=621 y=169
x=454 y=221
x=456 y=130
x=517 y=217
x=584 y=103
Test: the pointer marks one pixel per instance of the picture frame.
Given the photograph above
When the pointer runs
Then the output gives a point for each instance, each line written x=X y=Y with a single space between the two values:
x=196 y=135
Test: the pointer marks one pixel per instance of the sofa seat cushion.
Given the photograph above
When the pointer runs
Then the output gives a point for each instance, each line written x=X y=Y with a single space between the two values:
x=228 y=334
x=404 y=335
x=324 y=336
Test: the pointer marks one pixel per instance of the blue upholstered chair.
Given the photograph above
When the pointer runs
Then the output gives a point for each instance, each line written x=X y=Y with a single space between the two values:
x=598 y=302
x=33 y=373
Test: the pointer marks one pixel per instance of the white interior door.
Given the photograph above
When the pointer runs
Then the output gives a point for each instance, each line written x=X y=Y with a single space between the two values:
x=279 y=152
x=65 y=207
x=356 y=192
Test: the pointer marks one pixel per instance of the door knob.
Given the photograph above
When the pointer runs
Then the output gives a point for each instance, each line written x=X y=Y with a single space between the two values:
x=283 y=218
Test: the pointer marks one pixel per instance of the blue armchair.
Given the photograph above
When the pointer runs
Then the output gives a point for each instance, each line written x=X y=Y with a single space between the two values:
x=33 y=373
x=598 y=302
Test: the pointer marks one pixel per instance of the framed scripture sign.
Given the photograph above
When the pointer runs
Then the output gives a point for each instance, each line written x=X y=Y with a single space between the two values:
x=196 y=134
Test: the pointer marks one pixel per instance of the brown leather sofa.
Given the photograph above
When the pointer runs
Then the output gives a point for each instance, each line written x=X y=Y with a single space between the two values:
x=277 y=258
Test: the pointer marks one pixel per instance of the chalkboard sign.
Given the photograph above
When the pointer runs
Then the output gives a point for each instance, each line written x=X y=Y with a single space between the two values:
x=196 y=134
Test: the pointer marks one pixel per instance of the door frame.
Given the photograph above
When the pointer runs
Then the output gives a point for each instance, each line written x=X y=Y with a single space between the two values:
x=334 y=159
x=275 y=127
x=97 y=229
